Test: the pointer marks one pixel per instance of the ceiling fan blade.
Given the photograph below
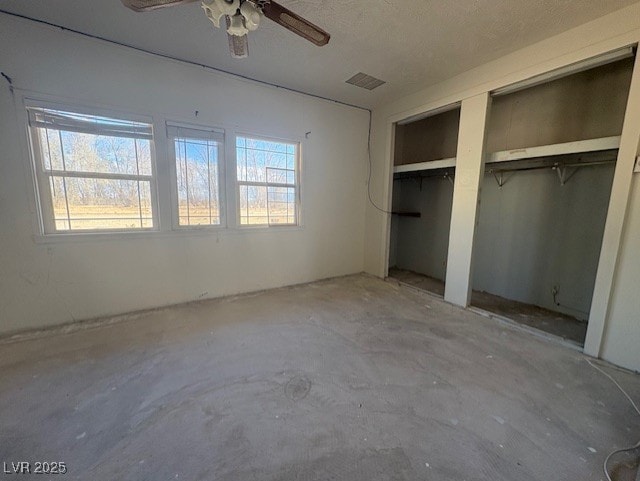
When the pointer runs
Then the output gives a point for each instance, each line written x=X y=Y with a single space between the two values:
x=295 y=23
x=238 y=46
x=146 y=5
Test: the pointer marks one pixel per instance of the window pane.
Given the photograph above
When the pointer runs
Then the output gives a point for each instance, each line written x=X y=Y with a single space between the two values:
x=266 y=145
x=281 y=205
x=59 y=203
x=267 y=205
x=101 y=203
x=272 y=164
x=253 y=205
x=276 y=176
x=86 y=152
x=81 y=152
x=146 y=210
x=255 y=156
x=197 y=181
x=241 y=163
x=256 y=165
x=50 y=148
x=101 y=154
x=144 y=156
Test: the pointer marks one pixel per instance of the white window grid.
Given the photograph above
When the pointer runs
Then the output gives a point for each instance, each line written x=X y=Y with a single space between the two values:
x=179 y=136
x=181 y=143
x=291 y=183
x=138 y=129
x=161 y=181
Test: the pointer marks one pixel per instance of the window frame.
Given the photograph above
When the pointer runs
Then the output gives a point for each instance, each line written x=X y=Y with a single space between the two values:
x=297 y=185
x=43 y=196
x=163 y=180
x=222 y=169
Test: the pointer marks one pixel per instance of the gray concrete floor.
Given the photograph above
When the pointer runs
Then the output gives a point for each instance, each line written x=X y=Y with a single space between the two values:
x=345 y=379
x=551 y=322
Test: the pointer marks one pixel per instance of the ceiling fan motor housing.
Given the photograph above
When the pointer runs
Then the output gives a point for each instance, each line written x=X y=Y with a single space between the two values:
x=216 y=9
x=243 y=15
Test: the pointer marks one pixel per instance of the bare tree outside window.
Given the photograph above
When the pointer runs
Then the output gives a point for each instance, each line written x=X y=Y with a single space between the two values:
x=197 y=158
x=267 y=175
x=98 y=170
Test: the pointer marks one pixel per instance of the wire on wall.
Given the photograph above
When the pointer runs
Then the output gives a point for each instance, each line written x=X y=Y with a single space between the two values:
x=8 y=79
x=371 y=169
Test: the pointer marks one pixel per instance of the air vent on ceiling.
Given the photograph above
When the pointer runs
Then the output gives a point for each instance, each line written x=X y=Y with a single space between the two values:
x=365 y=81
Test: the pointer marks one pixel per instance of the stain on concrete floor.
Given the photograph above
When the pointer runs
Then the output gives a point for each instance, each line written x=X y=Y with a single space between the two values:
x=345 y=379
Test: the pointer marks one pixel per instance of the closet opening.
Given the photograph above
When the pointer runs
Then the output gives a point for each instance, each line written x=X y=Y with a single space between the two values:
x=544 y=199
x=424 y=164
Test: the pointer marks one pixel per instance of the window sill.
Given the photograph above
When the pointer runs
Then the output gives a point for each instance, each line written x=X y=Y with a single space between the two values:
x=160 y=234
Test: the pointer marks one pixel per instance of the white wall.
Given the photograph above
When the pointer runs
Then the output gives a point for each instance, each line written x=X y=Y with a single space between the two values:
x=602 y=35
x=47 y=283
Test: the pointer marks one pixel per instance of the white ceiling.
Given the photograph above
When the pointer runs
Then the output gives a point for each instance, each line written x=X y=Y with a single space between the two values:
x=410 y=45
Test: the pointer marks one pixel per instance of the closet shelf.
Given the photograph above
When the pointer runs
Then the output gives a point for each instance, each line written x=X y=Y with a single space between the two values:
x=578 y=147
x=429 y=165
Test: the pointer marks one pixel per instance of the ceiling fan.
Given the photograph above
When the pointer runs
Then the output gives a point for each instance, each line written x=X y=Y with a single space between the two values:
x=241 y=17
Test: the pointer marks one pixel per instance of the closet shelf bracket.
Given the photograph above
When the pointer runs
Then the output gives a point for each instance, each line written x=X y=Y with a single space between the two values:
x=499 y=176
x=564 y=172
x=449 y=177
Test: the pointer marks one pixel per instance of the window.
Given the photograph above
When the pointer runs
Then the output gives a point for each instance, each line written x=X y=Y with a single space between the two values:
x=267 y=174
x=94 y=173
x=97 y=172
x=197 y=156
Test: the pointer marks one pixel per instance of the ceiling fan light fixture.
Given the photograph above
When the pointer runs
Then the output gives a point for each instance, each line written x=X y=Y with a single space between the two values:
x=236 y=26
x=238 y=46
x=216 y=9
x=251 y=15
x=241 y=17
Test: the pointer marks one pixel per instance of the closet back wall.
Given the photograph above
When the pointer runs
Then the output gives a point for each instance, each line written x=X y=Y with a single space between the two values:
x=586 y=105
x=534 y=234
x=432 y=138
x=422 y=243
